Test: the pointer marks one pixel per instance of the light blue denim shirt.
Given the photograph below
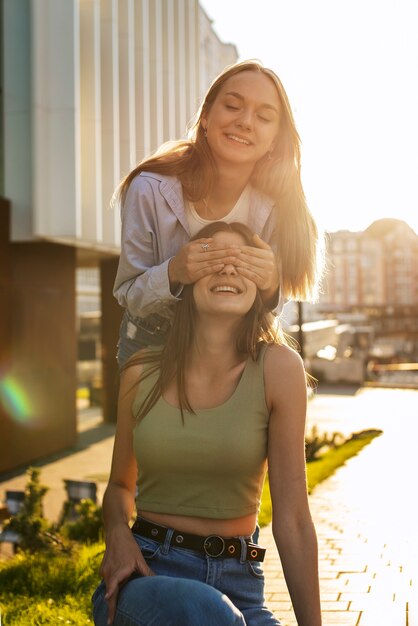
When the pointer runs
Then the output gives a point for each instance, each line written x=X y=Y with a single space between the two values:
x=154 y=228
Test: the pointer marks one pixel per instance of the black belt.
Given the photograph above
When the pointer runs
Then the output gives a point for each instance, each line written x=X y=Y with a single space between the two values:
x=213 y=545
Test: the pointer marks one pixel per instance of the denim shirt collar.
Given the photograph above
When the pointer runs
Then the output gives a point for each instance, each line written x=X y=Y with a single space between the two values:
x=261 y=205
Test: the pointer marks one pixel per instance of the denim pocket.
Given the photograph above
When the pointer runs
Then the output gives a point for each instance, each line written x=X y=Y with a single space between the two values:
x=149 y=548
x=255 y=569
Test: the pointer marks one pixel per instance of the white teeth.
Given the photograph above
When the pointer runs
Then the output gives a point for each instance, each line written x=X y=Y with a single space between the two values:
x=235 y=138
x=226 y=288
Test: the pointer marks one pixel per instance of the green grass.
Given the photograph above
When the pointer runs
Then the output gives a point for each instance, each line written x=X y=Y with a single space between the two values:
x=40 y=589
x=320 y=469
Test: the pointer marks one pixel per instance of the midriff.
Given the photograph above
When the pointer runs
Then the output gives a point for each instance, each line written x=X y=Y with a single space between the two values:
x=243 y=526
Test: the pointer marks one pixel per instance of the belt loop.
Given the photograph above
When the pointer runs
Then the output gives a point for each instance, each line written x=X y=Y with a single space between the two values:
x=167 y=541
x=243 y=550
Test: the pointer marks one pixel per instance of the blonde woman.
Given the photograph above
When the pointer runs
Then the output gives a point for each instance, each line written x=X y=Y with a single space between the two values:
x=200 y=421
x=240 y=163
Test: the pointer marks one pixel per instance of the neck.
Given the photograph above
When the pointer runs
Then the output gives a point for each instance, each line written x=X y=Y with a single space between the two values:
x=229 y=186
x=215 y=344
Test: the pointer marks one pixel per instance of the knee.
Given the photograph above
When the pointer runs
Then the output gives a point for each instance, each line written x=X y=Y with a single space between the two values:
x=199 y=603
x=157 y=600
x=100 y=615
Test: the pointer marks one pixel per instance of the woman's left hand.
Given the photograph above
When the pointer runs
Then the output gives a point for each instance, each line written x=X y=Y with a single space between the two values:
x=260 y=265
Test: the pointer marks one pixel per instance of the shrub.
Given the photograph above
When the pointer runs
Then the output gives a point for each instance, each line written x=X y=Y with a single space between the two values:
x=87 y=527
x=316 y=443
x=35 y=532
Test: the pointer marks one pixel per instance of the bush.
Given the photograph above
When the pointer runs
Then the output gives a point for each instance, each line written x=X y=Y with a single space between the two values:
x=316 y=443
x=35 y=532
x=87 y=527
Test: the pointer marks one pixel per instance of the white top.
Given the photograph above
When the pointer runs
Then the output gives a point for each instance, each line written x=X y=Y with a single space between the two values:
x=239 y=213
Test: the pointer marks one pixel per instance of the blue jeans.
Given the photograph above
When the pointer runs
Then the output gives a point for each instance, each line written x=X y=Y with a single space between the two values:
x=189 y=589
x=136 y=333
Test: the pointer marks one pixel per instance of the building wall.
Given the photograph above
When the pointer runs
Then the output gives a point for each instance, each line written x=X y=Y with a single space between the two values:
x=37 y=386
x=93 y=87
x=366 y=269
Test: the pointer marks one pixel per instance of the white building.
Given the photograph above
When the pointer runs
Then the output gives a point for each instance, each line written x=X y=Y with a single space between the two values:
x=89 y=87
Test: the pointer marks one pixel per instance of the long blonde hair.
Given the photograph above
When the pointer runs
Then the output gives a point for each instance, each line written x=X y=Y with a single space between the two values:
x=276 y=174
x=258 y=325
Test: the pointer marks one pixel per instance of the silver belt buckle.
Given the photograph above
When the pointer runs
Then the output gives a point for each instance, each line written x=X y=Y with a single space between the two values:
x=214 y=546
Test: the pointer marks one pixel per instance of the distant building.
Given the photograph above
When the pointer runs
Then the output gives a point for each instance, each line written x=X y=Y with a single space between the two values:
x=214 y=54
x=375 y=267
x=88 y=88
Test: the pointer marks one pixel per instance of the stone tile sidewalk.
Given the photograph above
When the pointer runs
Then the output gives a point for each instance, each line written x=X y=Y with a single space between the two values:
x=365 y=579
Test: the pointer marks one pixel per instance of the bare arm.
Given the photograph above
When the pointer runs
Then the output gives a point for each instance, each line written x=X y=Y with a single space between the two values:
x=123 y=556
x=293 y=528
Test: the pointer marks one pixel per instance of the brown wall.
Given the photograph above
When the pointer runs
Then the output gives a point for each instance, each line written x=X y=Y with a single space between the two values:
x=6 y=426
x=111 y=319
x=39 y=306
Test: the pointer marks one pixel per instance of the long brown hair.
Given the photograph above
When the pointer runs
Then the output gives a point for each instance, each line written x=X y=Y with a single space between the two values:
x=276 y=174
x=258 y=325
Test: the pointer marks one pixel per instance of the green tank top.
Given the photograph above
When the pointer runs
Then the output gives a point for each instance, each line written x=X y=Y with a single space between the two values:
x=214 y=464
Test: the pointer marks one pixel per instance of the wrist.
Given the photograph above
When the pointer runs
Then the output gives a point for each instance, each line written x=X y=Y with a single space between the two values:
x=270 y=296
x=175 y=285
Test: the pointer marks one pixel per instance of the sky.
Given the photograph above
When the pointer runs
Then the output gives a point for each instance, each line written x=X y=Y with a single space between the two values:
x=350 y=69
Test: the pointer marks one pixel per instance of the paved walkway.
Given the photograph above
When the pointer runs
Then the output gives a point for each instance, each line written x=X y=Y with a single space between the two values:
x=365 y=517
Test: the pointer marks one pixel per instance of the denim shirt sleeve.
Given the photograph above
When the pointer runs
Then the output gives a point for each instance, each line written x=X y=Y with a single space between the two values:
x=151 y=236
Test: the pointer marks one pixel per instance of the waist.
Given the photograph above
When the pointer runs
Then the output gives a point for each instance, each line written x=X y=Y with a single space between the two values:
x=214 y=546
x=154 y=324
x=227 y=527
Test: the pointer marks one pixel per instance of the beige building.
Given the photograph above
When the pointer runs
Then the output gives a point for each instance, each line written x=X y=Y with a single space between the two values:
x=89 y=87
x=375 y=267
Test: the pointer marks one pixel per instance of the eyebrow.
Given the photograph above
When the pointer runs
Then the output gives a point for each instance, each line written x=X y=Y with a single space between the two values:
x=264 y=105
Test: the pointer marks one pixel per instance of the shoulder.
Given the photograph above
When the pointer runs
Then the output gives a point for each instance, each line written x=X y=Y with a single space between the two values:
x=281 y=358
x=155 y=180
x=150 y=180
x=259 y=197
x=284 y=372
x=155 y=187
x=152 y=192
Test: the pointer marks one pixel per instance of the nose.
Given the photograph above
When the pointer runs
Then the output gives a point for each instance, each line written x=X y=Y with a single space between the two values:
x=245 y=119
x=228 y=270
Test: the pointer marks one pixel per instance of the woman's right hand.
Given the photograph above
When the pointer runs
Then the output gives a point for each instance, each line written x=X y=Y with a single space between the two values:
x=122 y=559
x=198 y=259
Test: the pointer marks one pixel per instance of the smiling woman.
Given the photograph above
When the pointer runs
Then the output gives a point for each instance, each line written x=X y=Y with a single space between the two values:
x=226 y=291
x=199 y=422
x=241 y=162
x=242 y=125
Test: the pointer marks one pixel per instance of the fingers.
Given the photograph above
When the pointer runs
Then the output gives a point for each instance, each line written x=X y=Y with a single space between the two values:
x=111 y=598
x=213 y=251
x=260 y=243
x=115 y=583
x=259 y=265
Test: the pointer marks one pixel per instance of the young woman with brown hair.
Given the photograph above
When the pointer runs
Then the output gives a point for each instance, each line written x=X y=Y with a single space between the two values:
x=241 y=162
x=200 y=420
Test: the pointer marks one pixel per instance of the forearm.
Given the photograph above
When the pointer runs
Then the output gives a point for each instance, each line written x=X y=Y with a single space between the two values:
x=118 y=505
x=298 y=549
x=146 y=293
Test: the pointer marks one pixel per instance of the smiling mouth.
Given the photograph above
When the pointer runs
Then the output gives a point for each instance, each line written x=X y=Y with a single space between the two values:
x=226 y=289
x=240 y=140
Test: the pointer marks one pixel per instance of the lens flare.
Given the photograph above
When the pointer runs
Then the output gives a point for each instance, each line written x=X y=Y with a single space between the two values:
x=14 y=400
